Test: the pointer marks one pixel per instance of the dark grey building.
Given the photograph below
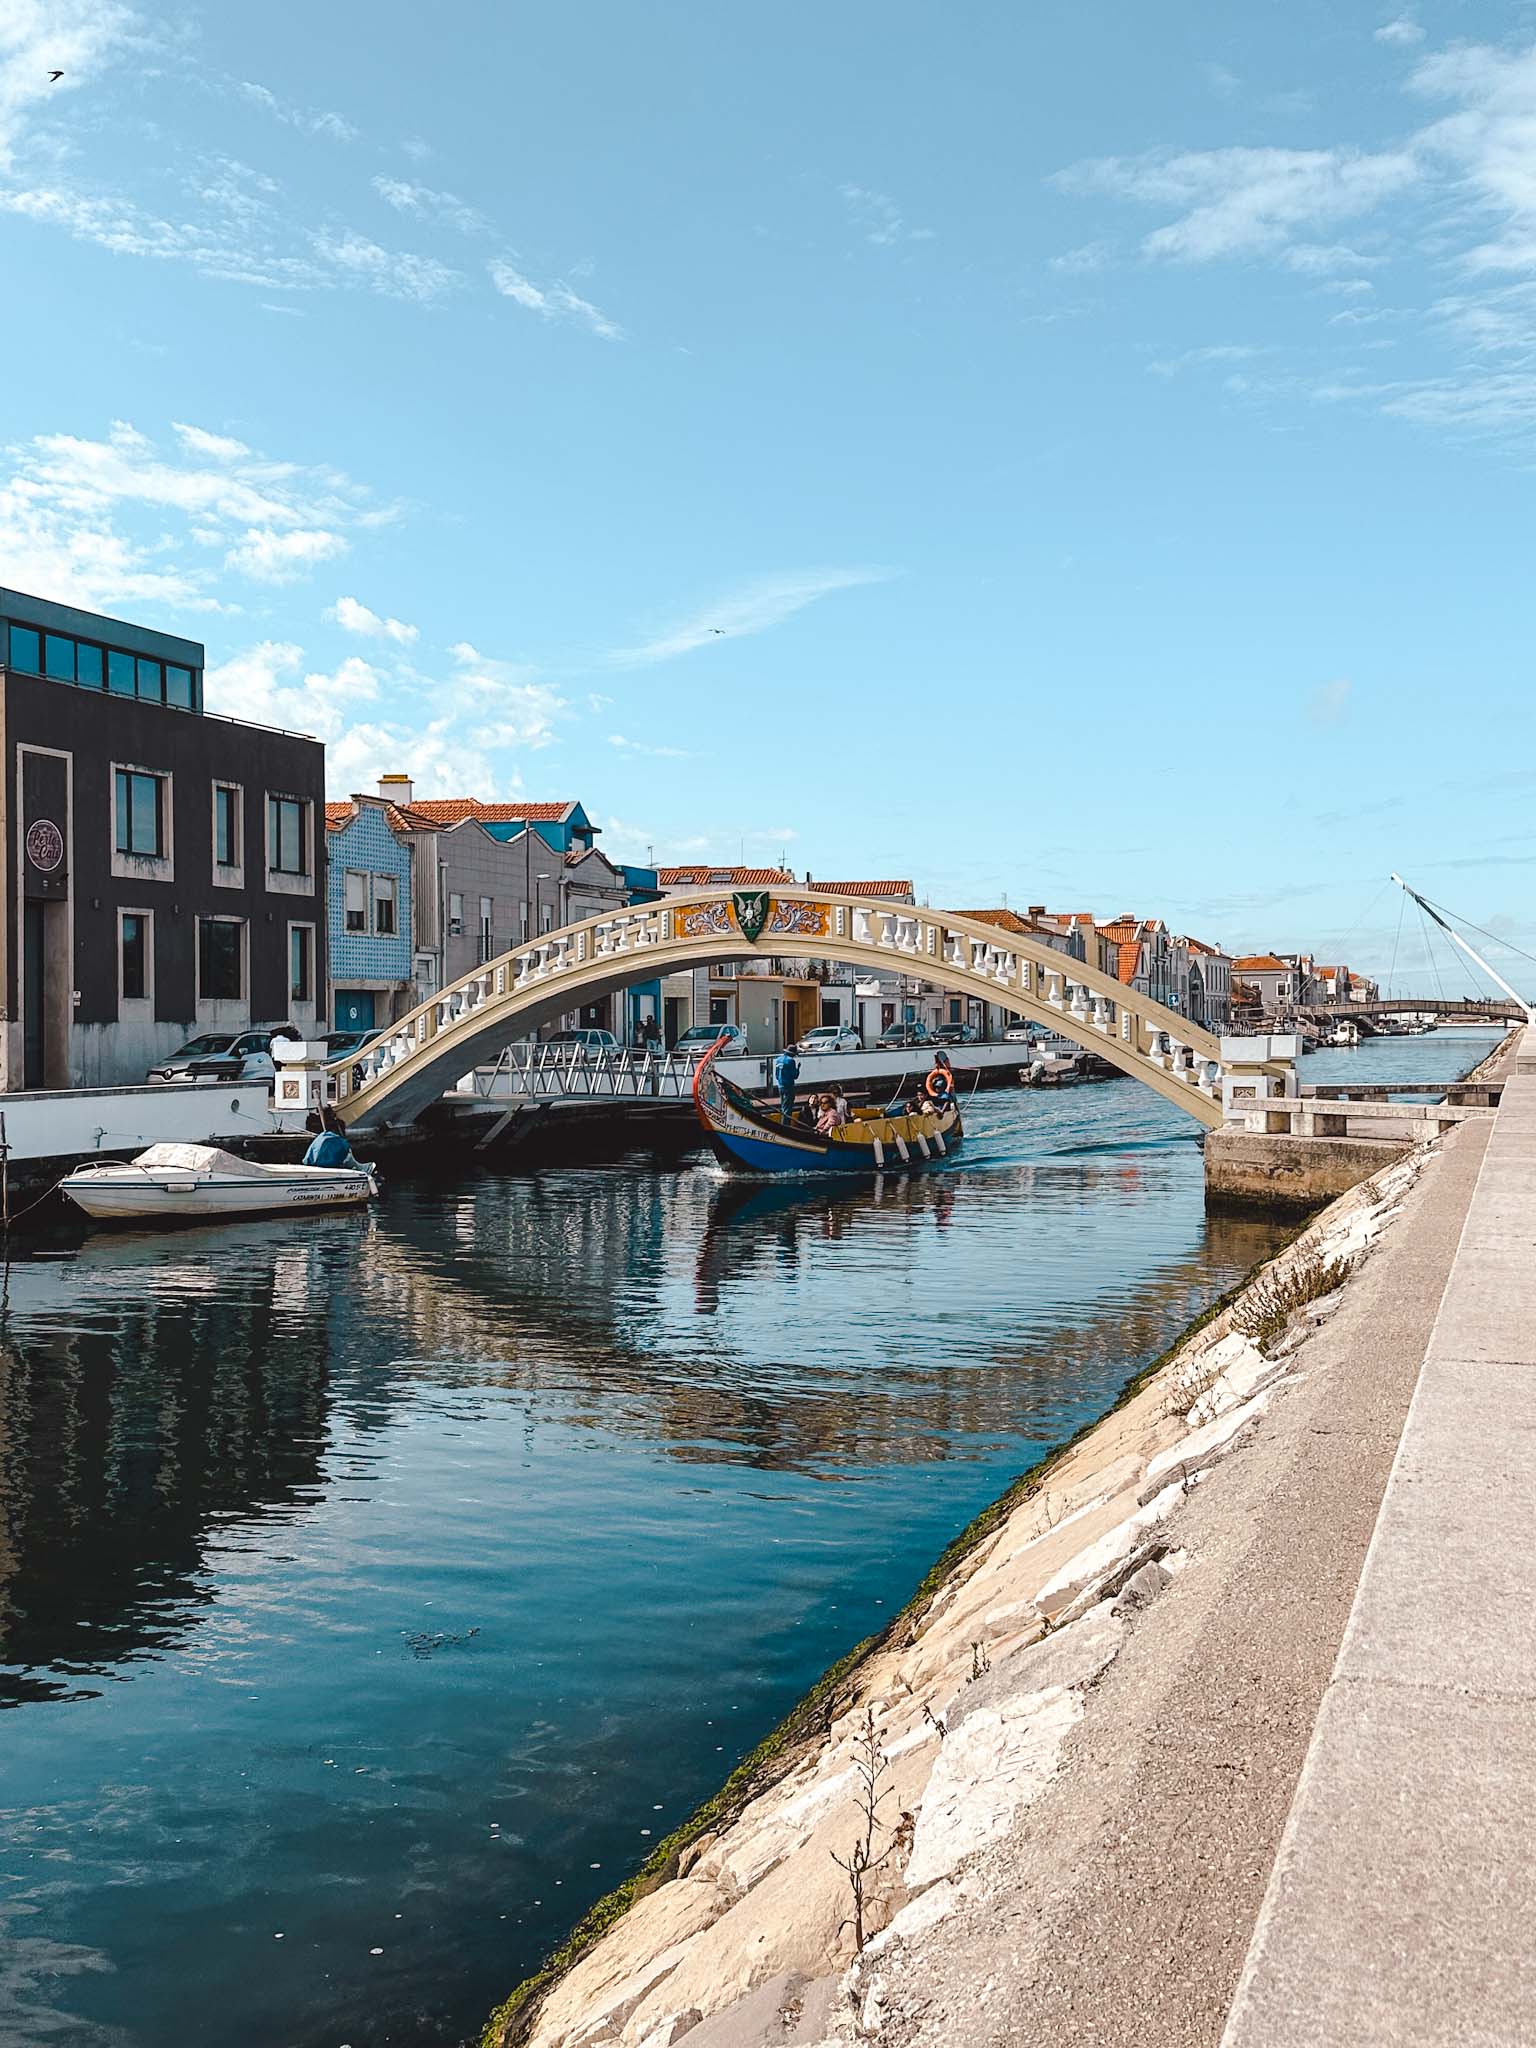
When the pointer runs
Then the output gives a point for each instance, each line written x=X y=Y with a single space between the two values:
x=163 y=870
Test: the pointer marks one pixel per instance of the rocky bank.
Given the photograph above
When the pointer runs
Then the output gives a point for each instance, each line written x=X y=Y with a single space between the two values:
x=845 y=1846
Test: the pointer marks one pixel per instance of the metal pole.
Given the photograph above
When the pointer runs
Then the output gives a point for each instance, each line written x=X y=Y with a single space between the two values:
x=1456 y=939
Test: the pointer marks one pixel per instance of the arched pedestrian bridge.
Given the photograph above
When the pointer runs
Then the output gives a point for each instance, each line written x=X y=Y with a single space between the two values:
x=469 y=1023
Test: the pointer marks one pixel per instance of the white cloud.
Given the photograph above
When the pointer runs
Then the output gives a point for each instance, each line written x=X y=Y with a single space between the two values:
x=1401 y=32
x=1329 y=702
x=78 y=37
x=268 y=557
x=1244 y=202
x=753 y=609
x=1091 y=256
x=394 y=272
x=1221 y=352
x=551 y=302
x=198 y=441
x=879 y=218
x=512 y=708
x=423 y=203
x=353 y=617
x=117 y=520
x=305 y=119
x=267 y=685
x=628 y=746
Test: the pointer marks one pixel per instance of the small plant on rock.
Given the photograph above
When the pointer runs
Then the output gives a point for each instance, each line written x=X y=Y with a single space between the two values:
x=1262 y=1316
x=864 y=1860
x=981 y=1662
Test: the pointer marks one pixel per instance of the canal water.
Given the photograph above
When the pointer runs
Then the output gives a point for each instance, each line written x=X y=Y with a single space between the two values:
x=374 y=1592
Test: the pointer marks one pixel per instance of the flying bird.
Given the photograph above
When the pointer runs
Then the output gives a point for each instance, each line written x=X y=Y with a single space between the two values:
x=718 y=631
x=54 y=77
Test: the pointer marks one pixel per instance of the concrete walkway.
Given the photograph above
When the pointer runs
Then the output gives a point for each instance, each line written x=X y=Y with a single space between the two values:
x=1121 y=1907
x=1402 y=1905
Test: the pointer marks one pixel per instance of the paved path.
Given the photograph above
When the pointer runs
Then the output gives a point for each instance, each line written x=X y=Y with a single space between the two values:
x=1120 y=1909
x=1402 y=1908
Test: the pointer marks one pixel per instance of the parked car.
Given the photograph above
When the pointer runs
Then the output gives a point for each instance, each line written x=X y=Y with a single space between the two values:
x=174 y=1066
x=245 y=1057
x=702 y=1038
x=584 y=1044
x=339 y=1043
x=830 y=1038
x=905 y=1034
x=955 y=1034
x=1021 y=1034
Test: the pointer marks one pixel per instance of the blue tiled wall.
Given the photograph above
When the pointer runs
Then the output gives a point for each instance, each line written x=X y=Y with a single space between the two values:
x=368 y=845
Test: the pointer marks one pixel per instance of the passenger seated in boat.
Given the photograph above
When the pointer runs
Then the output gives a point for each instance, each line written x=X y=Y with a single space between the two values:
x=827 y=1118
x=329 y=1146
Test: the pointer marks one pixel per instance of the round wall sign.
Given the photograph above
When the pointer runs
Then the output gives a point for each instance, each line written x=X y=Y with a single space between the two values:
x=45 y=845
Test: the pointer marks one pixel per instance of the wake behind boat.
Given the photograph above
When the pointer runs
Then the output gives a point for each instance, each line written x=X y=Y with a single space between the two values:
x=201 y=1184
x=753 y=1140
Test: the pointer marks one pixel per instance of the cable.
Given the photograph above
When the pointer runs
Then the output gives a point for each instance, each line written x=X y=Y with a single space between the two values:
x=1508 y=944
x=1396 y=937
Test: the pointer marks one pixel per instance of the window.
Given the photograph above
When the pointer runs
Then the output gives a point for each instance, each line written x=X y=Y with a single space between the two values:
x=226 y=825
x=178 y=686
x=301 y=956
x=135 y=934
x=88 y=666
x=150 y=684
x=26 y=650
x=719 y=1009
x=384 y=905
x=220 y=962
x=546 y=917
x=59 y=657
x=357 y=902
x=140 y=820
x=455 y=915
x=525 y=921
x=120 y=673
x=286 y=835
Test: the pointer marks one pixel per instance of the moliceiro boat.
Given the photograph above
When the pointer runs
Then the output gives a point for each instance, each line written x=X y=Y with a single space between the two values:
x=750 y=1139
x=201 y=1184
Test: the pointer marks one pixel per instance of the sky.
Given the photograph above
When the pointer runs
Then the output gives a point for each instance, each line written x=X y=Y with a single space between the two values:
x=1076 y=454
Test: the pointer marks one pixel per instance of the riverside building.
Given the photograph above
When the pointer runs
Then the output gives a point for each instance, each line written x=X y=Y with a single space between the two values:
x=162 y=870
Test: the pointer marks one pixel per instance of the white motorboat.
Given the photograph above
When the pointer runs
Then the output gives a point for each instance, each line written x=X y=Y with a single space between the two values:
x=200 y=1183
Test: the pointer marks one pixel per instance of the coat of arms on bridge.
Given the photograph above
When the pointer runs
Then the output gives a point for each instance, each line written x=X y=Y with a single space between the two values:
x=751 y=906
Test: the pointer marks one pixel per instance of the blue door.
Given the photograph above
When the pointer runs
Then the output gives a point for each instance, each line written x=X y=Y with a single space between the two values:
x=354 y=1009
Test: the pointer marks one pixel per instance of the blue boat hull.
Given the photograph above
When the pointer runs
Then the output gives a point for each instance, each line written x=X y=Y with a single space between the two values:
x=748 y=1140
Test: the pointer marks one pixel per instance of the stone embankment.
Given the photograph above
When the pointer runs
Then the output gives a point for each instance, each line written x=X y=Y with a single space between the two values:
x=854 y=1886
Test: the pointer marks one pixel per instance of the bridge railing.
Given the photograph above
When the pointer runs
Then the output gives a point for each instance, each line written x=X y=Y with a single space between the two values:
x=1178 y=1058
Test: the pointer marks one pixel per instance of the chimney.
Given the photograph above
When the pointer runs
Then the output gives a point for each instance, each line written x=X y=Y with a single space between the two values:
x=1037 y=910
x=396 y=789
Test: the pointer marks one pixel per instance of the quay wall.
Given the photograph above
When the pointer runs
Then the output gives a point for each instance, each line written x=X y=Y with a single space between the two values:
x=968 y=1704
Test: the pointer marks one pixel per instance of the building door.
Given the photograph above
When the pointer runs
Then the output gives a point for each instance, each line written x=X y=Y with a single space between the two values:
x=34 y=981
x=354 y=1009
x=672 y=1010
x=791 y=1021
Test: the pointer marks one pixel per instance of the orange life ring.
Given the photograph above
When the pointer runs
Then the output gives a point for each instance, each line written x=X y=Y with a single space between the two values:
x=939 y=1084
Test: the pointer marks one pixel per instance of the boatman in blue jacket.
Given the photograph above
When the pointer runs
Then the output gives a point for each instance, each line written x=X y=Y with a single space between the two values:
x=786 y=1072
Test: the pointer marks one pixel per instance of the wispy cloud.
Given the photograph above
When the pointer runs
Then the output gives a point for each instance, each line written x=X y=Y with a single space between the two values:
x=879 y=219
x=1402 y=32
x=307 y=120
x=422 y=202
x=120 y=520
x=1090 y=256
x=1328 y=704
x=353 y=617
x=552 y=301
x=752 y=609
x=1240 y=201
x=628 y=746
x=1219 y=352
x=394 y=272
x=77 y=37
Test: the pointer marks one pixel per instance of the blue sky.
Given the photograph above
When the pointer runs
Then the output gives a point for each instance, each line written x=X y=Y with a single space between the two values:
x=1077 y=452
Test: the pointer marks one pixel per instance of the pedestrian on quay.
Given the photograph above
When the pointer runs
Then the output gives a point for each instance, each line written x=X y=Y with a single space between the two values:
x=786 y=1072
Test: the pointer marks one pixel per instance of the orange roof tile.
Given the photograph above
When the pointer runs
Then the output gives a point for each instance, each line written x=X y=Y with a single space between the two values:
x=877 y=889
x=1007 y=919
x=337 y=815
x=702 y=876
x=452 y=810
x=1262 y=963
